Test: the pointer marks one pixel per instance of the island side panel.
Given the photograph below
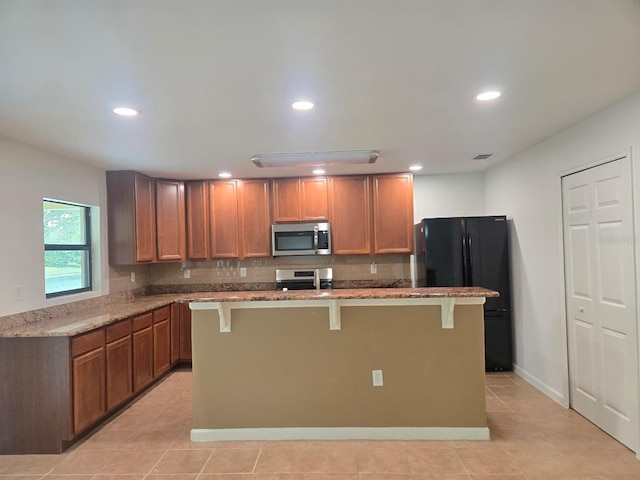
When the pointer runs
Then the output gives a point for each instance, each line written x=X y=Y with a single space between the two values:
x=35 y=408
x=283 y=367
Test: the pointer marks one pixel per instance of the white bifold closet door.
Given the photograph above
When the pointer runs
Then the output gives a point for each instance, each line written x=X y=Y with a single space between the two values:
x=600 y=297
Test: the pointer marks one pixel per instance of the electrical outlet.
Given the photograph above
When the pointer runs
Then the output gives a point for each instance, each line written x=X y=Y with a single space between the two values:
x=187 y=273
x=377 y=378
x=243 y=271
x=374 y=267
x=133 y=277
x=18 y=293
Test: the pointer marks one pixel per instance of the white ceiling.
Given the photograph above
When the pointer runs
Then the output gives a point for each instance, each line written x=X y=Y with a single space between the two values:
x=215 y=79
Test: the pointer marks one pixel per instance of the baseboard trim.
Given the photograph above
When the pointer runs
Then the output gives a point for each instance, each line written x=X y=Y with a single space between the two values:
x=340 y=433
x=543 y=387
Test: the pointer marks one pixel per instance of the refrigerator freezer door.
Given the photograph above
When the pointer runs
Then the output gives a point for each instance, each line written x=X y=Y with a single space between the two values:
x=498 y=354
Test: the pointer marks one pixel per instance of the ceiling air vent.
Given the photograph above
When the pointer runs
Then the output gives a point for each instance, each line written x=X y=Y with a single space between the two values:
x=482 y=156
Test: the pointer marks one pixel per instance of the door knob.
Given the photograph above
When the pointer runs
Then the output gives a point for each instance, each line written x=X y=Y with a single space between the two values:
x=581 y=309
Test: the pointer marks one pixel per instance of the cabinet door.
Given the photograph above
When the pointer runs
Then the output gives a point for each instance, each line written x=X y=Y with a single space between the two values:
x=255 y=221
x=224 y=219
x=185 y=332
x=197 y=199
x=161 y=347
x=175 y=333
x=286 y=200
x=170 y=220
x=350 y=208
x=131 y=218
x=142 y=358
x=145 y=219
x=314 y=202
x=393 y=213
x=119 y=371
x=88 y=372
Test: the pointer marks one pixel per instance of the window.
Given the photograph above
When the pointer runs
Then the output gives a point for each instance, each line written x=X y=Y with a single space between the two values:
x=67 y=248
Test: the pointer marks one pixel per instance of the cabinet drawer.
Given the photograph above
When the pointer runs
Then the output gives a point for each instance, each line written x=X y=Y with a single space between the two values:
x=162 y=314
x=142 y=321
x=118 y=330
x=86 y=342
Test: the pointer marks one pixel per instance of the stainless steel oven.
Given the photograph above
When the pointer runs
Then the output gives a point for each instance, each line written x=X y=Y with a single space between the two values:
x=304 y=278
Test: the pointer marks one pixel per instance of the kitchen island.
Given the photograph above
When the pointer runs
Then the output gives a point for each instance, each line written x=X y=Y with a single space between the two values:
x=300 y=365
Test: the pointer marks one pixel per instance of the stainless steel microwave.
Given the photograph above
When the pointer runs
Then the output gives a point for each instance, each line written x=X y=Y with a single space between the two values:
x=301 y=239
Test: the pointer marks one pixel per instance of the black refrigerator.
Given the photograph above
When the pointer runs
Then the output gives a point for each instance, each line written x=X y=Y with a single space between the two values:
x=471 y=252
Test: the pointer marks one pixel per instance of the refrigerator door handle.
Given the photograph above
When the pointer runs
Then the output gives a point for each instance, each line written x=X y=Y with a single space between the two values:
x=464 y=260
x=470 y=272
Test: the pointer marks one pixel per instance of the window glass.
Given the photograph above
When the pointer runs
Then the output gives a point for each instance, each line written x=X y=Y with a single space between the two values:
x=67 y=245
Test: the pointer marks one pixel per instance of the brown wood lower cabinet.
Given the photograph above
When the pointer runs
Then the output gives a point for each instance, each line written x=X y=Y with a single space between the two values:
x=142 y=352
x=161 y=340
x=119 y=363
x=88 y=374
x=54 y=388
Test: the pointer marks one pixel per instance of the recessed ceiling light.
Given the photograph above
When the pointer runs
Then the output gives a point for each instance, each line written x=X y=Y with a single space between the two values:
x=318 y=171
x=415 y=168
x=224 y=175
x=302 y=105
x=126 y=111
x=488 y=96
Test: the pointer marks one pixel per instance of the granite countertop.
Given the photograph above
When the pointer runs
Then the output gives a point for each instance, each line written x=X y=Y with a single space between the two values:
x=85 y=321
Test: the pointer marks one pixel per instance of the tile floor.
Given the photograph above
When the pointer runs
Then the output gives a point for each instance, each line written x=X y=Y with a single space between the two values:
x=532 y=438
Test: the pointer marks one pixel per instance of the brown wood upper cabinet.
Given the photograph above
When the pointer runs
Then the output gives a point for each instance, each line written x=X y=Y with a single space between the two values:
x=393 y=213
x=131 y=218
x=197 y=200
x=300 y=199
x=228 y=219
x=255 y=223
x=371 y=214
x=146 y=218
x=170 y=220
x=350 y=215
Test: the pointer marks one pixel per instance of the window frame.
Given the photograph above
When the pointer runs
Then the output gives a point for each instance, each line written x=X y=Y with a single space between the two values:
x=84 y=247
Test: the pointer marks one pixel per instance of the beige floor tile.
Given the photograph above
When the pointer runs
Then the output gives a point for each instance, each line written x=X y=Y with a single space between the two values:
x=232 y=460
x=532 y=438
x=84 y=462
x=540 y=461
x=157 y=439
x=67 y=477
x=225 y=476
x=182 y=461
x=133 y=461
x=434 y=461
x=383 y=460
x=488 y=462
x=330 y=476
x=22 y=477
x=328 y=460
x=28 y=464
x=112 y=476
x=279 y=460
x=180 y=476
x=277 y=476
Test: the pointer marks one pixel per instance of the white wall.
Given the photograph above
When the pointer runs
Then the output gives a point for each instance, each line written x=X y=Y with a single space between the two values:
x=528 y=190
x=28 y=175
x=456 y=195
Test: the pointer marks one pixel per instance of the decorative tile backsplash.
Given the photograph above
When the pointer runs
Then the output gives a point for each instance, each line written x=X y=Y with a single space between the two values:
x=394 y=269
